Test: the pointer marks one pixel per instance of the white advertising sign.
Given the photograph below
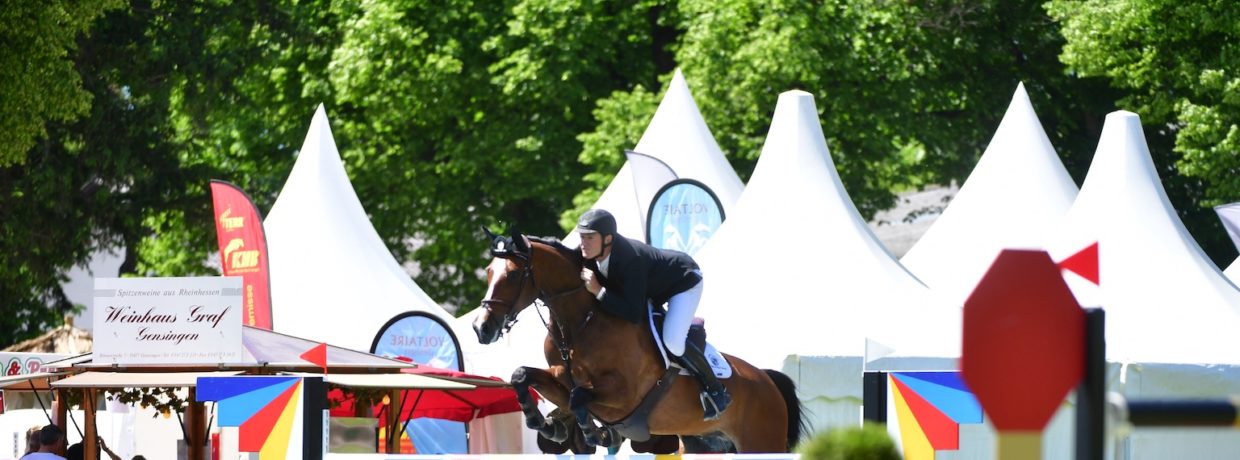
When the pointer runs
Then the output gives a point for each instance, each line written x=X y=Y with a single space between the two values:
x=168 y=320
x=26 y=363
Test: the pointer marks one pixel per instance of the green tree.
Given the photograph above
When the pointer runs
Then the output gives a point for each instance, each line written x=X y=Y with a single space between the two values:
x=37 y=77
x=908 y=93
x=467 y=114
x=173 y=104
x=1177 y=64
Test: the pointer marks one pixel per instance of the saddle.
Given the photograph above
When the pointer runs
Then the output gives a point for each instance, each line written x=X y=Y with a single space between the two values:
x=697 y=336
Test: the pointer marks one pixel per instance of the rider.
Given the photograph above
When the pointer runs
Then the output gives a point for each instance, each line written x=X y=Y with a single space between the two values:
x=625 y=274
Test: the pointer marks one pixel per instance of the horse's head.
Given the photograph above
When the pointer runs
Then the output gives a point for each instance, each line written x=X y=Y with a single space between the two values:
x=510 y=285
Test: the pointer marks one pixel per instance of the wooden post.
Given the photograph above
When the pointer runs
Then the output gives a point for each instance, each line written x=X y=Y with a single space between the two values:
x=195 y=430
x=392 y=421
x=62 y=410
x=91 y=443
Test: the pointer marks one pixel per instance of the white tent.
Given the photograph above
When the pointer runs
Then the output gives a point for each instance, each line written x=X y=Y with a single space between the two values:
x=1013 y=198
x=678 y=136
x=796 y=271
x=1171 y=315
x=332 y=279
x=1233 y=272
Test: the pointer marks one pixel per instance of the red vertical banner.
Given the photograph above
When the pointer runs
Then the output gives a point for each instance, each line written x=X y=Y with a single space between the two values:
x=243 y=249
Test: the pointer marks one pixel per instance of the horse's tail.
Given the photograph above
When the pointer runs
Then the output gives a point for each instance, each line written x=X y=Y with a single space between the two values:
x=797 y=425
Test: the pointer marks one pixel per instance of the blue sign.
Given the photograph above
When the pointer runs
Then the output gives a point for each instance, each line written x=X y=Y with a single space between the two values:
x=426 y=340
x=683 y=215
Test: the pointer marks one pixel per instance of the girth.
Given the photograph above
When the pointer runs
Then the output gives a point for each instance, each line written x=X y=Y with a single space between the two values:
x=635 y=426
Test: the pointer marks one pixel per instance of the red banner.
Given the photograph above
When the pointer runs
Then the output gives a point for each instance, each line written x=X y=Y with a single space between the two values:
x=243 y=249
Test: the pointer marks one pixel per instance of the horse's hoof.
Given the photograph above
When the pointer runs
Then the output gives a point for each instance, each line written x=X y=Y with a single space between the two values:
x=553 y=430
x=534 y=423
x=599 y=437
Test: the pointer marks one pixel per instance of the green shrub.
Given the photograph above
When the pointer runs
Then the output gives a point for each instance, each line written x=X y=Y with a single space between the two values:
x=869 y=442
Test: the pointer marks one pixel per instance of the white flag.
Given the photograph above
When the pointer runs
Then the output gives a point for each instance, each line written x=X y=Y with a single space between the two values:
x=649 y=175
x=1230 y=215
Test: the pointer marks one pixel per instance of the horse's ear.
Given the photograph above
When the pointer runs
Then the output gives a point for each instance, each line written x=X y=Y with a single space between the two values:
x=501 y=247
x=490 y=236
x=520 y=243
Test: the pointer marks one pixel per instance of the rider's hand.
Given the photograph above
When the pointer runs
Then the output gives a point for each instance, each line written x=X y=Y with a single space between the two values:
x=592 y=284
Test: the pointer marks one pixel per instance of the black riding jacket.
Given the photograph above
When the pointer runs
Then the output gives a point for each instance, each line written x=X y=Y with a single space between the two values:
x=639 y=272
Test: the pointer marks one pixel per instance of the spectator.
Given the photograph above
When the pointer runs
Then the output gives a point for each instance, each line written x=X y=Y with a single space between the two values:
x=32 y=440
x=51 y=445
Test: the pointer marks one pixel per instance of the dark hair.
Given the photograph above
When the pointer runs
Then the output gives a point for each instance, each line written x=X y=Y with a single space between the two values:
x=50 y=435
x=76 y=452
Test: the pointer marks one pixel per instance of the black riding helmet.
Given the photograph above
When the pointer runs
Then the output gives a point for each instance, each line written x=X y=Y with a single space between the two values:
x=597 y=221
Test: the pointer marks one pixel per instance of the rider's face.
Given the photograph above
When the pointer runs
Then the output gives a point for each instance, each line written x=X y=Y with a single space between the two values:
x=591 y=245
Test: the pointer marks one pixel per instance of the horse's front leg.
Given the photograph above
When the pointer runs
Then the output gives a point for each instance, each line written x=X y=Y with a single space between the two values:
x=578 y=399
x=545 y=382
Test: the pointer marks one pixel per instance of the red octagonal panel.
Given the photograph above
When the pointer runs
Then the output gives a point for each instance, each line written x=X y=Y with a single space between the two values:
x=1024 y=337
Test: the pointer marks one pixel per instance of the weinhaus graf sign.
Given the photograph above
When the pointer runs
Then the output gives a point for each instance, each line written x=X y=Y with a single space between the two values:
x=168 y=320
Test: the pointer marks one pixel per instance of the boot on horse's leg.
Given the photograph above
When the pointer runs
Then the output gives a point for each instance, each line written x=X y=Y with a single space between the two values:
x=715 y=397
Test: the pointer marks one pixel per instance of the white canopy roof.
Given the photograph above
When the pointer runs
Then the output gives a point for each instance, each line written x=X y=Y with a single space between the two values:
x=795 y=269
x=1013 y=198
x=678 y=136
x=1165 y=301
x=332 y=278
x=1233 y=272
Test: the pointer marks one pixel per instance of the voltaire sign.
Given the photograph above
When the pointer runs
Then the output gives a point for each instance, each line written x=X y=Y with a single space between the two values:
x=168 y=320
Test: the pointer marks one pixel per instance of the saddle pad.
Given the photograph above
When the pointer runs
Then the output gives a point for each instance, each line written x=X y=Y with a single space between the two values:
x=718 y=364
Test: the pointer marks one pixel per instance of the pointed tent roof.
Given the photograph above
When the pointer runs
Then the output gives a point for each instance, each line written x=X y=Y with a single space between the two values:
x=1013 y=198
x=828 y=287
x=1165 y=301
x=332 y=278
x=678 y=136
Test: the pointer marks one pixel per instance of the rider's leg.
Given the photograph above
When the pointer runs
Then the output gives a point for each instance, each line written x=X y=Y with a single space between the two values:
x=680 y=310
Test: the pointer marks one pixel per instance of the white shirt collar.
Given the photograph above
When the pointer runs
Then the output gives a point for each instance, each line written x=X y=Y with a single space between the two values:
x=603 y=264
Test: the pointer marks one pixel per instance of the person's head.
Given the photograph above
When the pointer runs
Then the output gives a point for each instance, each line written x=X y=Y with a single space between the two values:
x=51 y=439
x=32 y=439
x=138 y=457
x=76 y=452
x=597 y=229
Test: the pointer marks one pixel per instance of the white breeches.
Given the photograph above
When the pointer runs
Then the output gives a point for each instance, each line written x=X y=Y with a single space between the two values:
x=680 y=310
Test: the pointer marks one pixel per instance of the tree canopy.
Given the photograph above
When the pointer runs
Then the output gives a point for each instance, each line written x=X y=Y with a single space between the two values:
x=515 y=113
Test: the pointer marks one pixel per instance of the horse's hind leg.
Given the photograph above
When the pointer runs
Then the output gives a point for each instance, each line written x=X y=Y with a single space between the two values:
x=546 y=384
x=578 y=399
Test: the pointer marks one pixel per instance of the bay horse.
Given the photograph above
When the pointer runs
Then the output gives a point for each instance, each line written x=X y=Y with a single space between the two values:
x=602 y=367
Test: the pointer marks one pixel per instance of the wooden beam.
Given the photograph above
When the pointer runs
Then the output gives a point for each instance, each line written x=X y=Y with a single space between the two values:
x=91 y=442
x=195 y=427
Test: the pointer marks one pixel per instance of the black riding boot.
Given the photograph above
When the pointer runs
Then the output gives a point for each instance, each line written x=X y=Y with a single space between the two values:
x=715 y=397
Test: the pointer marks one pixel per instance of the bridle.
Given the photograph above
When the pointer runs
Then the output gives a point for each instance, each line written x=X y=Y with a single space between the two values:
x=526 y=273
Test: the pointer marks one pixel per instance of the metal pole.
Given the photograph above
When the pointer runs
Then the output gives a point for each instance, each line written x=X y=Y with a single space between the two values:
x=1091 y=393
x=874 y=397
x=1184 y=413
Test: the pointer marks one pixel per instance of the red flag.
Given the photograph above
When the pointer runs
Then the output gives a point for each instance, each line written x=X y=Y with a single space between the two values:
x=317 y=356
x=243 y=249
x=1084 y=263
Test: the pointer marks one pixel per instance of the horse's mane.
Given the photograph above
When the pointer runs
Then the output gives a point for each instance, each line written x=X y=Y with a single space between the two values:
x=571 y=254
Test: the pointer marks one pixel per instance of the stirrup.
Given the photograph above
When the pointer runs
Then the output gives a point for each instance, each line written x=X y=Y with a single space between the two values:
x=711 y=404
